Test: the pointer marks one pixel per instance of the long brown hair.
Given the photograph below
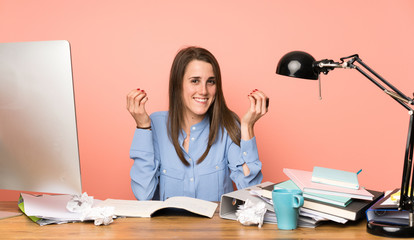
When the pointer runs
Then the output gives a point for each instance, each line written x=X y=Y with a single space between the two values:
x=219 y=114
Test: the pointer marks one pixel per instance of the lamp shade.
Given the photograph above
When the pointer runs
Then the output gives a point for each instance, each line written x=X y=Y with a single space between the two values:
x=297 y=64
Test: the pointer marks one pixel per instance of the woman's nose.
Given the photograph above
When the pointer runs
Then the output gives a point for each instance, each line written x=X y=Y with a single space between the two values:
x=203 y=89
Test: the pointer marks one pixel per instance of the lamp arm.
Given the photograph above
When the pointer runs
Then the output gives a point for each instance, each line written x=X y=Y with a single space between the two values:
x=400 y=99
x=406 y=197
x=400 y=95
x=395 y=95
x=325 y=65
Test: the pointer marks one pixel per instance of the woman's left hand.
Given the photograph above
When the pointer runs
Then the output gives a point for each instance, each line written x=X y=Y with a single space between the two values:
x=259 y=104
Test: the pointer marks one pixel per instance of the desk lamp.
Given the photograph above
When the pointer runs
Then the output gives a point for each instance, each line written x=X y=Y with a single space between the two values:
x=300 y=64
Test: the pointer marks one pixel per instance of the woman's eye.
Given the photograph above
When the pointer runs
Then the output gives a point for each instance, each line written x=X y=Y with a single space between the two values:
x=212 y=82
x=194 y=80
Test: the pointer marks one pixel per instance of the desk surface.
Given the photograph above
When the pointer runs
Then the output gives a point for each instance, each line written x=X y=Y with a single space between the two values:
x=186 y=226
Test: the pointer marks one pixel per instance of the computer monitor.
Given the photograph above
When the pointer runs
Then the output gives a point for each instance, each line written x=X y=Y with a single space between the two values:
x=38 y=133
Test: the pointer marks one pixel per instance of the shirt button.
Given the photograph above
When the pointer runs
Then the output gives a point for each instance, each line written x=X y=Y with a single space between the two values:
x=217 y=167
x=244 y=153
x=194 y=128
x=192 y=139
x=190 y=159
x=164 y=171
x=191 y=179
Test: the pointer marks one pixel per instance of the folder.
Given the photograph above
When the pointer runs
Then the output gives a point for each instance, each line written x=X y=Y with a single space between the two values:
x=231 y=201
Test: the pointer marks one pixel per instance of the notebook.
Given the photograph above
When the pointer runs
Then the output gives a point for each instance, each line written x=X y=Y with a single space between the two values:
x=335 y=177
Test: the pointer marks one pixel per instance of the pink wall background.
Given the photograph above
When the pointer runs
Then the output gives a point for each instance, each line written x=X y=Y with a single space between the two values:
x=121 y=45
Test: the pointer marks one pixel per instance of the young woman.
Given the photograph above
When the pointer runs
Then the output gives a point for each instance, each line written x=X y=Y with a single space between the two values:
x=199 y=146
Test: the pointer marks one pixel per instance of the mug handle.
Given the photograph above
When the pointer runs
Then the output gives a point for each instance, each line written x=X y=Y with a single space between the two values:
x=299 y=201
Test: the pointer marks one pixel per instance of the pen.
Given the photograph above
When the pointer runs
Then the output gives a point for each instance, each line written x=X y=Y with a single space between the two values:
x=359 y=171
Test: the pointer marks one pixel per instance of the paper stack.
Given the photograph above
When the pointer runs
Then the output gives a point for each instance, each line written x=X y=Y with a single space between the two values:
x=230 y=203
x=52 y=209
x=307 y=217
x=311 y=215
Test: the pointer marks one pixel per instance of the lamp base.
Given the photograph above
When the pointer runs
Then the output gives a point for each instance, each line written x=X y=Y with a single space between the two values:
x=390 y=230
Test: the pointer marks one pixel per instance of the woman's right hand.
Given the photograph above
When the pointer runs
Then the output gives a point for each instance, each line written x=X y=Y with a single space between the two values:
x=136 y=100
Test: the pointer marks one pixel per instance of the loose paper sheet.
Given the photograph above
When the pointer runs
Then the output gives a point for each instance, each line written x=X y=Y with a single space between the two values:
x=50 y=206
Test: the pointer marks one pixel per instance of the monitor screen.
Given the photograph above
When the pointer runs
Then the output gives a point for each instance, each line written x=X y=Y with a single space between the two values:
x=38 y=134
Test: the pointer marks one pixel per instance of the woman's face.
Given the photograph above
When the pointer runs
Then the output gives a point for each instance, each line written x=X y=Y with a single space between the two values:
x=199 y=89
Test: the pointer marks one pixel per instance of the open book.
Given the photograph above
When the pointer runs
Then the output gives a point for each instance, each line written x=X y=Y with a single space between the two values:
x=133 y=208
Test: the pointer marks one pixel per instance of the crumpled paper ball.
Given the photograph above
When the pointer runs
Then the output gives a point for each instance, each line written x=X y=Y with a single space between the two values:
x=101 y=215
x=80 y=203
x=83 y=204
x=251 y=213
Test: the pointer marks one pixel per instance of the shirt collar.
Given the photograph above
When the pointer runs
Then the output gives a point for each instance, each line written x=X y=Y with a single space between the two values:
x=197 y=128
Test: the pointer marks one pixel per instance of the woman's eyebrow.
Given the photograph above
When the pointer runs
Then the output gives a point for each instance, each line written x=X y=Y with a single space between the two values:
x=198 y=77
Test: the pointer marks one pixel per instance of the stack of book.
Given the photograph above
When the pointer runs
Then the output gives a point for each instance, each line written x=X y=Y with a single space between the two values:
x=330 y=199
